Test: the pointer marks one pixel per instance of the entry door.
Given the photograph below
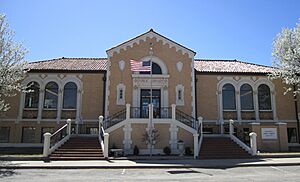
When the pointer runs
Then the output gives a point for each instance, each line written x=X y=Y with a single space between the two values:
x=145 y=101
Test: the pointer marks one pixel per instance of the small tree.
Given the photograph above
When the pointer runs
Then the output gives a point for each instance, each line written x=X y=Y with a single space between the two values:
x=12 y=64
x=286 y=51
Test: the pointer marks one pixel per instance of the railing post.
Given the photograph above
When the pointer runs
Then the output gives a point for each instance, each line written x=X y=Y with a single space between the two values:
x=173 y=111
x=100 y=124
x=253 y=143
x=200 y=120
x=231 y=130
x=106 y=140
x=69 y=127
x=127 y=111
x=46 y=150
x=196 y=143
x=150 y=110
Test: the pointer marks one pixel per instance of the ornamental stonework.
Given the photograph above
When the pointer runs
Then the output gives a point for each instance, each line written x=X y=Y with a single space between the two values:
x=142 y=82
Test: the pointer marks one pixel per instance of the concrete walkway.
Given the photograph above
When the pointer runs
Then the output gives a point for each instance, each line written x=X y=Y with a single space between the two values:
x=172 y=163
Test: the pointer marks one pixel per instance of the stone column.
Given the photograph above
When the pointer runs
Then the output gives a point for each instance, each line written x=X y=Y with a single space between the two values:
x=78 y=106
x=46 y=150
x=41 y=104
x=256 y=128
x=127 y=138
x=196 y=145
x=173 y=138
x=253 y=143
x=173 y=111
x=59 y=105
x=256 y=107
x=127 y=111
x=238 y=105
x=231 y=129
x=21 y=107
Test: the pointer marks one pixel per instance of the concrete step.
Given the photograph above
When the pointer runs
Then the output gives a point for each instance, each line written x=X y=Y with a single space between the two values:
x=79 y=148
x=221 y=148
x=76 y=158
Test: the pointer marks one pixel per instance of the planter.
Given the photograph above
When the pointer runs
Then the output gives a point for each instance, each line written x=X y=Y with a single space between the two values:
x=180 y=145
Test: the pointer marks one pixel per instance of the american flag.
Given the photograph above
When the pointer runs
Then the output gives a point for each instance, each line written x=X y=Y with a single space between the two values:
x=140 y=65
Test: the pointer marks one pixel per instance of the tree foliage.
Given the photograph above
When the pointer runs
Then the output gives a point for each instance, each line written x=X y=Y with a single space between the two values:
x=12 y=64
x=286 y=51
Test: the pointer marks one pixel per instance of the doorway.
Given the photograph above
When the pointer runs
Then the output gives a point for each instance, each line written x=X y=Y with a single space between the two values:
x=145 y=101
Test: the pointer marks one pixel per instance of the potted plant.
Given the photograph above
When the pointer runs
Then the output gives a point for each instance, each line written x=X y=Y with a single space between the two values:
x=180 y=145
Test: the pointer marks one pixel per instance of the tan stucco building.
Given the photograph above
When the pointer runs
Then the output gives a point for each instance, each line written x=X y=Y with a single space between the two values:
x=185 y=90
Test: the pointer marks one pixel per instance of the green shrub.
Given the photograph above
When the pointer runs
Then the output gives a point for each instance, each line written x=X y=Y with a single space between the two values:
x=188 y=151
x=167 y=150
x=136 y=150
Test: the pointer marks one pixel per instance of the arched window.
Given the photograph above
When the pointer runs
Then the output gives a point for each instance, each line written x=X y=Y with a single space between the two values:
x=246 y=97
x=264 y=97
x=156 y=70
x=228 y=96
x=70 y=96
x=32 y=96
x=51 y=95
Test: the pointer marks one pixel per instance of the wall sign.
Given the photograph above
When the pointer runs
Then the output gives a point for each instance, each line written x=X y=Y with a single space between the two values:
x=269 y=133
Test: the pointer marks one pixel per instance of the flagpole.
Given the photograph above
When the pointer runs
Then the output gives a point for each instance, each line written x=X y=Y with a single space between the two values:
x=151 y=104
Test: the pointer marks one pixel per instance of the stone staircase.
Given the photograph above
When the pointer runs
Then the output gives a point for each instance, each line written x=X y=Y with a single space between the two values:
x=79 y=148
x=221 y=148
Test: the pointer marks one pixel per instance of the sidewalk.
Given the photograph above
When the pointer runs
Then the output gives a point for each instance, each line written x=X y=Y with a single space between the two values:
x=172 y=163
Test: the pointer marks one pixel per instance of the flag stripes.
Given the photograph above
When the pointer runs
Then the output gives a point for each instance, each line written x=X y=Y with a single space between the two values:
x=140 y=65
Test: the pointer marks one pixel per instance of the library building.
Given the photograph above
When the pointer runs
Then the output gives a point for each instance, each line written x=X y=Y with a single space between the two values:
x=150 y=96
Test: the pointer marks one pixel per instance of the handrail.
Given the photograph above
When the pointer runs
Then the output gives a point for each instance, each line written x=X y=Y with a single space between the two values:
x=200 y=134
x=103 y=137
x=236 y=139
x=54 y=141
x=240 y=134
x=57 y=131
x=186 y=119
x=114 y=119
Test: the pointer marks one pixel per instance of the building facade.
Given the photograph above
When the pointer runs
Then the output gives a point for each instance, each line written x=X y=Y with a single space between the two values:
x=183 y=90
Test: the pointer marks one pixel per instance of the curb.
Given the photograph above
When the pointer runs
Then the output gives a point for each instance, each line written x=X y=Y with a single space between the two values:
x=149 y=167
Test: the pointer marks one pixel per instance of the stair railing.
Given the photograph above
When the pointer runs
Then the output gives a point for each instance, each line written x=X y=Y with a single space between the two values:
x=186 y=119
x=253 y=145
x=200 y=133
x=103 y=138
x=55 y=140
x=114 y=119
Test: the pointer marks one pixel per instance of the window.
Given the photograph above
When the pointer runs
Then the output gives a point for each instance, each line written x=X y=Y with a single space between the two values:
x=121 y=94
x=51 y=95
x=156 y=70
x=180 y=95
x=246 y=94
x=4 y=134
x=70 y=96
x=28 y=135
x=264 y=97
x=228 y=97
x=292 y=135
x=32 y=96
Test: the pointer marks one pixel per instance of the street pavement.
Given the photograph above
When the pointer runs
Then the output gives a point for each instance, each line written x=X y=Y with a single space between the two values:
x=150 y=163
x=265 y=173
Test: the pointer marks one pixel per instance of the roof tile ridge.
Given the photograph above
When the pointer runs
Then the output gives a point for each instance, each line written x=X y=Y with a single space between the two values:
x=255 y=64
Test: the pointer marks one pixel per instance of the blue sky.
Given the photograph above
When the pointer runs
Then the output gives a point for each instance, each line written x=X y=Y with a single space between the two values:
x=215 y=29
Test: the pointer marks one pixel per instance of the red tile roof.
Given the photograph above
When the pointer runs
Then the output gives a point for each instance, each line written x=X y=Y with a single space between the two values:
x=70 y=64
x=99 y=64
x=229 y=66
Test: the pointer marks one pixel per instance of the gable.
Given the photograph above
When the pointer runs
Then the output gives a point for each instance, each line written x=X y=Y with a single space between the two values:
x=150 y=34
